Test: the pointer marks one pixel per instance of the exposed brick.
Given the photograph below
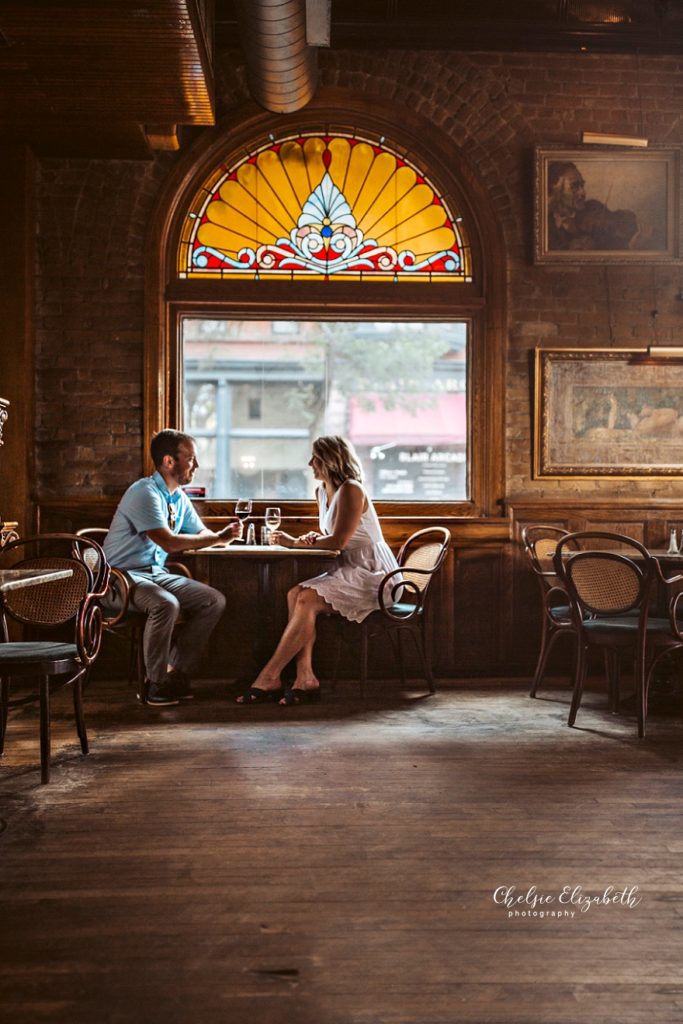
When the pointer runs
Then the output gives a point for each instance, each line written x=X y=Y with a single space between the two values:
x=93 y=218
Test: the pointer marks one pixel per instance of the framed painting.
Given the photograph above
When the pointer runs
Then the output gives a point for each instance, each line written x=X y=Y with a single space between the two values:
x=607 y=413
x=606 y=206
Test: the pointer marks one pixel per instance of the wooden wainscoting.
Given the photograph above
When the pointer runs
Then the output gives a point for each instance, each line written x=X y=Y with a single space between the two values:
x=650 y=525
x=486 y=612
x=469 y=631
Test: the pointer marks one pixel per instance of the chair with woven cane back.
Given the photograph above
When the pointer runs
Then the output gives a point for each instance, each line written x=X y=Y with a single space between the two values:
x=403 y=601
x=120 y=618
x=540 y=543
x=610 y=582
x=46 y=612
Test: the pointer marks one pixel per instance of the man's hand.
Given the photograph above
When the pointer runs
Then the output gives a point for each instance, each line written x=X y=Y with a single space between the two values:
x=231 y=532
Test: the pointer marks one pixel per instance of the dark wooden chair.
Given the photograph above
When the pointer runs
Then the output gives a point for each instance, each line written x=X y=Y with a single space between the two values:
x=120 y=619
x=46 y=612
x=610 y=583
x=403 y=602
x=539 y=543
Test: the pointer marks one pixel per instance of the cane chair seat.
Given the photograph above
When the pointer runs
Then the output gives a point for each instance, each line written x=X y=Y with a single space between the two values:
x=41 y=654
x=42 y=609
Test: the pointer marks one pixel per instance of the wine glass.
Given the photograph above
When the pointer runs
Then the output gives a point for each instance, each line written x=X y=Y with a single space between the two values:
x=273 y=518
x=243 y=510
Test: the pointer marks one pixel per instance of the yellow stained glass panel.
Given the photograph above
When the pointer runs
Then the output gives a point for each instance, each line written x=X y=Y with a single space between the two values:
x=329 y=207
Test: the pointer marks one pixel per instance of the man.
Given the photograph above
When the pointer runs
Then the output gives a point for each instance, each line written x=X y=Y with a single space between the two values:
x=155 y=519
x=576 y=223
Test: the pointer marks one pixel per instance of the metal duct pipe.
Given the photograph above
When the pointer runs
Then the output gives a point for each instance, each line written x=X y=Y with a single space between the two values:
x=282 y=69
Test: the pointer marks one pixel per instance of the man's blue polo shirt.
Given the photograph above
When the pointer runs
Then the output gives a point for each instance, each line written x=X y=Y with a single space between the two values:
x=147 y=505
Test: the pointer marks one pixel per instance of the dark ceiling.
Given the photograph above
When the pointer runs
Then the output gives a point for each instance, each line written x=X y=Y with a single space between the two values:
x=115 y=77
x=619 y=26
x=103 y=77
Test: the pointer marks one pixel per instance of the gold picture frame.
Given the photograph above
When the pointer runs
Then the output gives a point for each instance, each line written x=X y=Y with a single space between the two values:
x=607 y=413
x=606 y=206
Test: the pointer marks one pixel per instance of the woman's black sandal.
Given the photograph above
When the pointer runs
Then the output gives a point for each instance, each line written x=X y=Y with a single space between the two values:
x=297 y=696
x=255 y=695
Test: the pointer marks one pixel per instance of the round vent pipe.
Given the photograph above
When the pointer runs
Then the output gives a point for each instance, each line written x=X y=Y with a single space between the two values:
x=281 y=67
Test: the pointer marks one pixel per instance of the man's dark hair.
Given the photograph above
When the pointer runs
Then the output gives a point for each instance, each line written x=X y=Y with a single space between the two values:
x=167 y=442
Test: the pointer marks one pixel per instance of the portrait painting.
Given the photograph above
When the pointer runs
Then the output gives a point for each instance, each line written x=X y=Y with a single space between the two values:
x=606 y=205
x=607 y=412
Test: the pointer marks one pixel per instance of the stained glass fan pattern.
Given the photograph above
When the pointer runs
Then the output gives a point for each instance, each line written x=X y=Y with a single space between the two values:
x=330 y=207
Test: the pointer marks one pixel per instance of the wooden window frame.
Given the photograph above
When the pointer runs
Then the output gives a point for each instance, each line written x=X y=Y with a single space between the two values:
x=481 y=303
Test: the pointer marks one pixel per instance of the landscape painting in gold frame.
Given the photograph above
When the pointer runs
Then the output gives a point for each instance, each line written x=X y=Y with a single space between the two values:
x=606 y=205
x=607 y=413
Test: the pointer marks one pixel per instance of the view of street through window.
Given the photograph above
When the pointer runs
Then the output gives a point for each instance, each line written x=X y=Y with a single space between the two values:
x=257 y=393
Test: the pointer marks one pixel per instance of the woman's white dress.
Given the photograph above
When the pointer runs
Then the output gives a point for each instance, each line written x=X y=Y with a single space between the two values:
x=351 y=586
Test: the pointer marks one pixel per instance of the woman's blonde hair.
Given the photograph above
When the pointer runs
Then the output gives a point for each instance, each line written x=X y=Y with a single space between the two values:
x=339 y=458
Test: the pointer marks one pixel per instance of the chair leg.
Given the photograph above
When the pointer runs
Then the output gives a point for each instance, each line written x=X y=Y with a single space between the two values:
x=78 y=714
x=642 y=685
x=429 y=675
x=4 y=705
x=546 y=644
x=400 y=655
x=45 y=729
x=136 y=665
x=612 y=671
x=133 y=674
x=418 y=638
x=363 y=658
x=579 y=679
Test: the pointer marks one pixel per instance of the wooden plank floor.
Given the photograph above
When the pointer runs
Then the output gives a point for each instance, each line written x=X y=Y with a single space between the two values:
x=337 y=864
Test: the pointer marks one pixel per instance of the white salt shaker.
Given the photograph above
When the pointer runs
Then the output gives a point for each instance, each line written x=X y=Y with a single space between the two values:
x=673 y=543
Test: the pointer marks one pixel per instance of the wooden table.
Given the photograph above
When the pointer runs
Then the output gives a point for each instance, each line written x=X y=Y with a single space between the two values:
x=261 y=625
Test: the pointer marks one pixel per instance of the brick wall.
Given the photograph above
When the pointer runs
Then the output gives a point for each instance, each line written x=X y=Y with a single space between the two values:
x=93 y=215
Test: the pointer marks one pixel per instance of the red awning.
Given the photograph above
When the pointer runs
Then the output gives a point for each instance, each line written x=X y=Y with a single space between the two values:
x=440 y=419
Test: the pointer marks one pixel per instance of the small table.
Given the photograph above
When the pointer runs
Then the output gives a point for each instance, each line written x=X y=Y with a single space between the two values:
x=17 y=579
x=263 y=556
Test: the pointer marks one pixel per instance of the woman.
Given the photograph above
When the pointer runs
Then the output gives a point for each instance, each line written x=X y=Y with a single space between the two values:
x=349 y=523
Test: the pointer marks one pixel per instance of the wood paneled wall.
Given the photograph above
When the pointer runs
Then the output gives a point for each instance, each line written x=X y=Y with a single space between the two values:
x=485 y=605
x=17 y=358
x=467 y=632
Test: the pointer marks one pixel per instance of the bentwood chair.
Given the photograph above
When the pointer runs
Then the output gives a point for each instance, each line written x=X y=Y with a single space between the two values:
x=120 y=619
x=403 y=601
x=539 y=544
x=610 y=587
x=46 y=612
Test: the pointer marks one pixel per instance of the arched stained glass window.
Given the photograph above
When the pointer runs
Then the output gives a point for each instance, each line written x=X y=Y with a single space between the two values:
x=314 y=206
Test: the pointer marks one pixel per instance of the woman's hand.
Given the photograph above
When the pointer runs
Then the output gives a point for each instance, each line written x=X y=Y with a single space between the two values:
x=308 y=539
x=281 y=539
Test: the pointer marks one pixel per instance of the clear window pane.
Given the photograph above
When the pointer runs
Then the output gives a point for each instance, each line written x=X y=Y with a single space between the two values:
x=257 y=393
